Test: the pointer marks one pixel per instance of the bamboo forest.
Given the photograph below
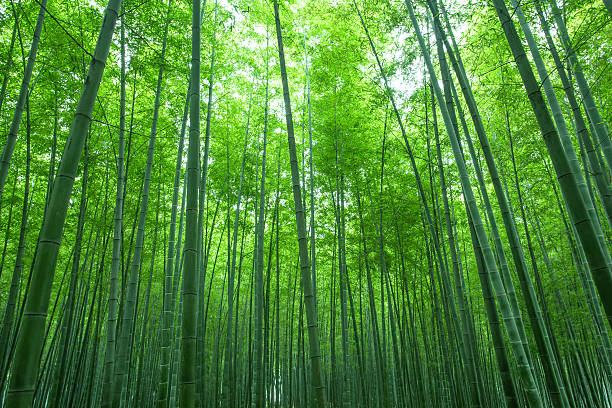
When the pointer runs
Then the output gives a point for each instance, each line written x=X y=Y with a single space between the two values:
x=305 y=203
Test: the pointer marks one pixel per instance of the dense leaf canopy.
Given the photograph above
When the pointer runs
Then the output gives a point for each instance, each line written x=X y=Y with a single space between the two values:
x=436 y=232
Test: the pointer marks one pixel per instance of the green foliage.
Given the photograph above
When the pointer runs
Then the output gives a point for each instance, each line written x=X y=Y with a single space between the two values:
x=351 y=114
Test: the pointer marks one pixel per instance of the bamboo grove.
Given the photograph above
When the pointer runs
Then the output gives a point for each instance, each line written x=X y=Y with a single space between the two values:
x=305 y=203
